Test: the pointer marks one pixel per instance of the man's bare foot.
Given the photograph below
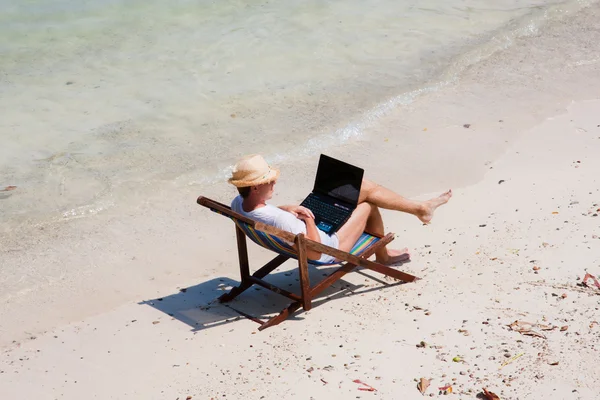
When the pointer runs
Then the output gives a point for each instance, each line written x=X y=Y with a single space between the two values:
x=394 y=256
x=430 y=206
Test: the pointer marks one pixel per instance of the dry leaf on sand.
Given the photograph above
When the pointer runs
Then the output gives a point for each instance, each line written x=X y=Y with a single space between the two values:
x=490 y=395
x=423 y=385
x=526 y=328
x=593 y=278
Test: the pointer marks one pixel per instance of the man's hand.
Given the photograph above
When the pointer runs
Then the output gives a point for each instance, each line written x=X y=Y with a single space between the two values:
x=299 y=212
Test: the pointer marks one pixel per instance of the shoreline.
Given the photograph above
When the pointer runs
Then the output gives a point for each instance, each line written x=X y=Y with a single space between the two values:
x=94 y=166
x=87 y=274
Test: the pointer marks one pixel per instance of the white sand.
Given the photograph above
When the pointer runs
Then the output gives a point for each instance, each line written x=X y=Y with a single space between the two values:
x=99 y=342
x=474 y=278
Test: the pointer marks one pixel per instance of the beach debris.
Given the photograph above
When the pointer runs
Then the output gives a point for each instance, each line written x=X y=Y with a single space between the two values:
x=457 y=359
x=564 y=328
x=536 y=268
x=526 y=328
x=466 y=125
x=155 y=322
x=554 y=212
x=8 y=188
x=324 y=381
x=328 y=368
x=183 y=290
x=447 y=389
x=593 y=278
x=311 y=369
x=69 y=83
x=464 y=332
x=423 y=385
x=501 y=181
x=593 y=324
x=365 y=387
x=510 y=360
x=553 y=363
x=424 y=129
x=490 y=395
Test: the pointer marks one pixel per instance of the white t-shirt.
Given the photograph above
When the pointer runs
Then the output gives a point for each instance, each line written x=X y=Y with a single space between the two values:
x=285 y=221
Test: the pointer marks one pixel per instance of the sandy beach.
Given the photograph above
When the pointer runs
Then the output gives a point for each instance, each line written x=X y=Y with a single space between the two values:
x=517 y=138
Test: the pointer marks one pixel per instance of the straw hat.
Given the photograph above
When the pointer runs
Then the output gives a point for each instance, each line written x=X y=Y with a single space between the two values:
x=252 y=170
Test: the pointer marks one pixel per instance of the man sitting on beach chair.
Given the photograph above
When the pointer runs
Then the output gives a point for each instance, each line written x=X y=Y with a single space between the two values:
x=255 y=181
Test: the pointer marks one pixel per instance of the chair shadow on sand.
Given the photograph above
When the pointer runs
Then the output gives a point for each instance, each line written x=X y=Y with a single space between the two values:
x=198 y=305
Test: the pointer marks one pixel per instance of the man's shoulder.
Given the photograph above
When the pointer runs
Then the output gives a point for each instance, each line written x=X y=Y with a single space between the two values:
x=236 y=203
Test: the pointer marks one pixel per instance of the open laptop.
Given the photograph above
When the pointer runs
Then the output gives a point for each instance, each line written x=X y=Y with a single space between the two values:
x=335 y=194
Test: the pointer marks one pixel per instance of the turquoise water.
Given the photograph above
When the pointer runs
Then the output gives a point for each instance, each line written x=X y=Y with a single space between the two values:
x=100 y=99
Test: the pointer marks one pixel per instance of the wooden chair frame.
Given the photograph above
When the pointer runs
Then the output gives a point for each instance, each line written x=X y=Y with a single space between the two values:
x=347 y=261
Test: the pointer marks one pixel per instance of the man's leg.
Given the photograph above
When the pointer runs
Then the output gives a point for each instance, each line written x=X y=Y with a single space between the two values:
x=385 y=198
x=367 y=217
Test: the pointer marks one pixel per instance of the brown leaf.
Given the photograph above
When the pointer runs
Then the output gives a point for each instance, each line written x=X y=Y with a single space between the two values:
x=524 y=328
x=490 y=395
x=593 y=278
x=554 y=363
x=423 y=385
x=546 y=327
x=155 y=322
x=532 y=333
x=564 y=328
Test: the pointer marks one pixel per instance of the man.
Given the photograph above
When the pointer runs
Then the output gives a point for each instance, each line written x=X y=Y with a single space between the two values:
x=255 y=181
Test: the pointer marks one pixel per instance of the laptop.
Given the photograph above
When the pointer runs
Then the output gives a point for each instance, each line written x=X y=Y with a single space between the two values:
x=335 y=194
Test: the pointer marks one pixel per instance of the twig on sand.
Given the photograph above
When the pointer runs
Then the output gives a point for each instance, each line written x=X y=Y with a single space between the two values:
x=585 y=289
x=510 y=360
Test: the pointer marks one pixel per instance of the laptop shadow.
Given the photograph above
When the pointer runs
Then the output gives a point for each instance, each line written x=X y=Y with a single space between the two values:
x=198 y=305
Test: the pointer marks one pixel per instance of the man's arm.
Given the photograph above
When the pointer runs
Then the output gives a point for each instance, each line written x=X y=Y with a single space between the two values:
x=297 y=210
x=312 y=233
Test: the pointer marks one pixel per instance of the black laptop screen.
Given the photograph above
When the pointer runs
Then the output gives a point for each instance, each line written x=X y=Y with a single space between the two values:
x=338 y=179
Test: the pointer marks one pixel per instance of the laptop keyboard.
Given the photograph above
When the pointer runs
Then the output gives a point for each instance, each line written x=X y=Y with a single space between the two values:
x=325 y=211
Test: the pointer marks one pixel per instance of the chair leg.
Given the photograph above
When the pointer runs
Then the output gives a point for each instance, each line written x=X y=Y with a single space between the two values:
x=244 y=268
x=242 y=253
x=303 y=271
x=282 y=316
x=233 y=293
x=246 y=283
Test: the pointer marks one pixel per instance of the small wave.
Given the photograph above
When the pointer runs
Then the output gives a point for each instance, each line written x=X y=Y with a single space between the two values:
x=87 y=210
x=499 y=40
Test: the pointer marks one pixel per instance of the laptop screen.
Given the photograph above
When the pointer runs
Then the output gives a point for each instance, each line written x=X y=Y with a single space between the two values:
x=338 y=179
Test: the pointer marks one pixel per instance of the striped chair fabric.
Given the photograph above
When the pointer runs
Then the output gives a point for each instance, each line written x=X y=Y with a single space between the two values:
x=280 y=246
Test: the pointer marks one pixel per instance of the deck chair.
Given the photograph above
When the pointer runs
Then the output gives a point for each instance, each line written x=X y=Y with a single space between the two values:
x=276 y=240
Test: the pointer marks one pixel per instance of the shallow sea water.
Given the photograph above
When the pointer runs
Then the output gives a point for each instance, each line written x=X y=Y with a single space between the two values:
x=101 y=99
